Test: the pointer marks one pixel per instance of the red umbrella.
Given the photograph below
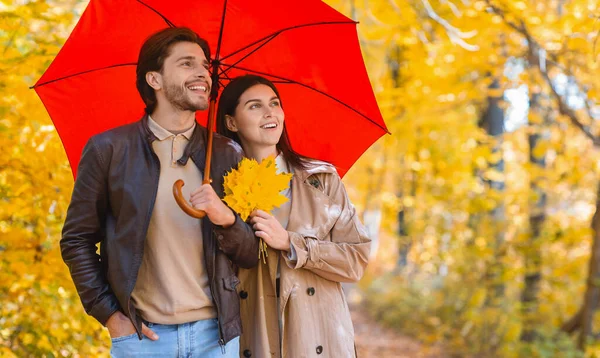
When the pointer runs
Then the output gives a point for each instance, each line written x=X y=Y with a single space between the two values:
x=307 y=48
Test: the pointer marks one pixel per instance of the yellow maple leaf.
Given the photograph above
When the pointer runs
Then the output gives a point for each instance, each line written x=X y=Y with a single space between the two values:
x=255 y=186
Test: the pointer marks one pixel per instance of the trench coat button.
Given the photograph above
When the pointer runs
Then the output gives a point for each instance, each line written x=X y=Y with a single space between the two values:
x=220 y=237
x=311 y=291
x=247 y=353
x=243 y=294
x=319 y=349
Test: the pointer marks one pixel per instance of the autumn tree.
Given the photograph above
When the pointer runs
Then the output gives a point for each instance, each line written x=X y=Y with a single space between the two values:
x=40 y=312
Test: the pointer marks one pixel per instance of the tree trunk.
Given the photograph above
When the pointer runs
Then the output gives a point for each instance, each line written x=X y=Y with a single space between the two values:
x=404 y=244
x=492 y=121
x=532 y=254
x=593 y=282
x=491 y=226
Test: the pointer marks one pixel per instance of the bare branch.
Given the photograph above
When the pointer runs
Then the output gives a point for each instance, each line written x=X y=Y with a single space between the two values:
x=533 y=51
x=588 y=108
x=564 y=109
x=395 y=7
x=452 y=7
x=498 y=11
x=462 y=43
x=421 y=35
x=456 y=36
x=437 y=18
x=375 y=19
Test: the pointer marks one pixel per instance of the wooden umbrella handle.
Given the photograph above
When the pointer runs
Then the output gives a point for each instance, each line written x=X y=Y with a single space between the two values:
x=183 y=204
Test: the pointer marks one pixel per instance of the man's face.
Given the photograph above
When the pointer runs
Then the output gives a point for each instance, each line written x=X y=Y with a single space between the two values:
x=185 y=79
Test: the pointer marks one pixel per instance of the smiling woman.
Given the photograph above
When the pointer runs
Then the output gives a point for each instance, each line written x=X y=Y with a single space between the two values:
x=250 y=106
x=258 y=121
x=315 y=240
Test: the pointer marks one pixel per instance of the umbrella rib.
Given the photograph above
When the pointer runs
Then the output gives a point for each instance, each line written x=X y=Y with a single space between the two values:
x=271 y=36
x=225 y=75
x=158 y=13
x=249 y=54
x=111 y=66
x=82 y=73
x=289 y=81
x=221 y=30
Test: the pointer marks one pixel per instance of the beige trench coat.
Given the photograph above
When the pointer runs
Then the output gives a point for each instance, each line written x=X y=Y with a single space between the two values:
x=332 y=247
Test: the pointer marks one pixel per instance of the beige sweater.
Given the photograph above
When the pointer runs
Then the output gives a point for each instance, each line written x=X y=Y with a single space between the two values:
x=172 y=286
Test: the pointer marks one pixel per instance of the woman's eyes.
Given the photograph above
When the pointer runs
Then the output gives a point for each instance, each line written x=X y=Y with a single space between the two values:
x=258 y=105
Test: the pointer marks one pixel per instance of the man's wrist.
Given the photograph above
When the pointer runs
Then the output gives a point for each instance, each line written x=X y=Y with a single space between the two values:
x=229 y=221
x=116 y=315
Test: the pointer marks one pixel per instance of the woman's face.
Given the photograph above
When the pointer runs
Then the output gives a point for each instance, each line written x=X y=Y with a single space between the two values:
x=258 y=118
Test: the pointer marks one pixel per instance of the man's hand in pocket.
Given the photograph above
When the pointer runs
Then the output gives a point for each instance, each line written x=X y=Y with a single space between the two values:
x=120 y=325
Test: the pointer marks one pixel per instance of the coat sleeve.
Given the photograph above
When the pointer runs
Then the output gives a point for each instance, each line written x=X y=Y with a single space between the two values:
x=238 y=241
x=82 y=230
x=345 y=257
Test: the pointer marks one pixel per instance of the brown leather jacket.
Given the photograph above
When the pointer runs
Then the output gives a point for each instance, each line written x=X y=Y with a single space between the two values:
x=112 y=203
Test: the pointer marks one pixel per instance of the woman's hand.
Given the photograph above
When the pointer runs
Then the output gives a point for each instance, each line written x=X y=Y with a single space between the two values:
x=270 y=230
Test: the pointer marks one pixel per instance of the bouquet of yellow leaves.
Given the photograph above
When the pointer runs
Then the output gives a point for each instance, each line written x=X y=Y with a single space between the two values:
x=255 y=186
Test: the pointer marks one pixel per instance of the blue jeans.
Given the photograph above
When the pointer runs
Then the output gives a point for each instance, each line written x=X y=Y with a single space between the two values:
x=194 y=339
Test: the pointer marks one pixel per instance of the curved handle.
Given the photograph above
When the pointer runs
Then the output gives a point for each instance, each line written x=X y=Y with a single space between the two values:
x=183 y=204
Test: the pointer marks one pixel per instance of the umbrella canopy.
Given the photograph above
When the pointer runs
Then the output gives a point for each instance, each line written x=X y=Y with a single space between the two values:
x=307 y=48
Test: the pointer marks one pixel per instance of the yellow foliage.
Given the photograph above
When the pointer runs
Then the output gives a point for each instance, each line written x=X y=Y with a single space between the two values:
x=431 y=69
x=467 y=205
x=38 y=303
x=255 y=186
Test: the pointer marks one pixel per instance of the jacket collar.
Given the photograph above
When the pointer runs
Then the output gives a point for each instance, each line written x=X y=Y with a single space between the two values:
x=315 y=167
x=162 y=133
x=196 y=146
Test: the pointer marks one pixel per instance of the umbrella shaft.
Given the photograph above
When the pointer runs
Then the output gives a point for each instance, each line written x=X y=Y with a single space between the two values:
x=214 y=91
x=210 y=128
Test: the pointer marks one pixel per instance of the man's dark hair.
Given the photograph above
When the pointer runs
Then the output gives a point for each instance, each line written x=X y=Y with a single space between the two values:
x=152 y=56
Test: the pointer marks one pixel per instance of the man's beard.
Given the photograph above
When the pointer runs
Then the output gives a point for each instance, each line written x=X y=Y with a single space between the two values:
x=178 y=99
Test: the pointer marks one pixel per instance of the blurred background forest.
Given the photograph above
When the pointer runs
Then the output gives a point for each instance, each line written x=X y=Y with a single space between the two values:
x=483 y=203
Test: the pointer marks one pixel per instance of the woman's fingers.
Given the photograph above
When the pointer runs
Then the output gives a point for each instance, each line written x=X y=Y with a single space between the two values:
x=260 y=214
x=263 y=235
x=260 y=227
x=257 y=219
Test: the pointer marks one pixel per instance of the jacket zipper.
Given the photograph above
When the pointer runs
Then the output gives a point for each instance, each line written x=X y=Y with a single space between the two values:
x=214 y=258
x=214 y=284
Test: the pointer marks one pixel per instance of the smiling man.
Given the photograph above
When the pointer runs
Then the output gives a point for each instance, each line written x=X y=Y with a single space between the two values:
x=163 y=283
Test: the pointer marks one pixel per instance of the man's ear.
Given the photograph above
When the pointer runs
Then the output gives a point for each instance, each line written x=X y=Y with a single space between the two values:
x=154 y=79
x=230 y=123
